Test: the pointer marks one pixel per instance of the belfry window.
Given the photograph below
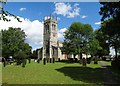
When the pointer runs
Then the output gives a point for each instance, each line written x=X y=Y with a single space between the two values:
x=54 y=27
x=47 y=28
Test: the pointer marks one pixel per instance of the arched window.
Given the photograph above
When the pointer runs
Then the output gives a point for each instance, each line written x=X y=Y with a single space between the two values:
x=47 y=28
x=53 y=27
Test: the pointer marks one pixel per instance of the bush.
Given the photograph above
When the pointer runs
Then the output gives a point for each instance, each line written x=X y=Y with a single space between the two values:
x=104 y=58
x=115 y=64
x=88 y=60
x=21 y=58
x=23 y=62
x=71 y=59
x=29 y=59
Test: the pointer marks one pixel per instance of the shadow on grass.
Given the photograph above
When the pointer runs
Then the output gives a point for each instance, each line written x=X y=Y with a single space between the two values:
x=84 y=74
x=68 y=61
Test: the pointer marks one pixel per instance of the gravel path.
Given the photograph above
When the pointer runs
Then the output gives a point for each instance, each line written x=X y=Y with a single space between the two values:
x=108 y=81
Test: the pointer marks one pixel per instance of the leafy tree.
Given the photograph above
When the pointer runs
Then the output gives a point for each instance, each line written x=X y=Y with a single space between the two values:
x=102 y=42
x=94 y=47
x=111 y=26
x=4 y=13
x=27 y=49
x=76 y=38
x=111 y=30
x=13 y=41
x=110 y=10
x=34 y=55
x=21 y=58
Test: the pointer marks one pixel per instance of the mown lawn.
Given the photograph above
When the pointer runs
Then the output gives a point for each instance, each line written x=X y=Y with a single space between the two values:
x=53 y=73
x=0 y=73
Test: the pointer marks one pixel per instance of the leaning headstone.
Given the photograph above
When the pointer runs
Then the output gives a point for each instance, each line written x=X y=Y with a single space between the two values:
x=88 y=60
x=53 y=60
x=95 y=60
x=76 y=60
x=29 y=59
x=80 y=61
x=50 y=60
x=58 y=59
x=38 y=60
x=4 y=61
x=47 y=60
x=23 y=63
x=84 y=62
x=44 y=61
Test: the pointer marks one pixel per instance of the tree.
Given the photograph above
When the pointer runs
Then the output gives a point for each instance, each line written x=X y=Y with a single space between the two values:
x=13 y=40
x=102 y=42
x=21 y=58
x=110 y=10
x=111 y=30
x=76 y=38
x=111 y=26
x=34 y=55
x=4 y=13
x=94 y=48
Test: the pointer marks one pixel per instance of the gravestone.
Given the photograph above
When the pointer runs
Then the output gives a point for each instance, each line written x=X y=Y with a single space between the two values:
x=84 y=62
x=44 y=61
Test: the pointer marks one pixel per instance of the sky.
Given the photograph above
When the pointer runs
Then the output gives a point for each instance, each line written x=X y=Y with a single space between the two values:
x=33 y=13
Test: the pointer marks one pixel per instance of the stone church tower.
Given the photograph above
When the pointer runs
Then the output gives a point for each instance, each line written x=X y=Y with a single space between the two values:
x=50 y=41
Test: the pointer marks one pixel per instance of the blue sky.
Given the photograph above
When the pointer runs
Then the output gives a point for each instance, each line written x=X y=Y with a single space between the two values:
x=38 y=10
x=33 y=13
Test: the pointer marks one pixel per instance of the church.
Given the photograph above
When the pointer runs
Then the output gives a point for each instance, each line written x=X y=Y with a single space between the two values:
x=51 y=46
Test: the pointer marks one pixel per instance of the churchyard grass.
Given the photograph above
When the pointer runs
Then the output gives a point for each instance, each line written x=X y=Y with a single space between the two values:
x=53 y=73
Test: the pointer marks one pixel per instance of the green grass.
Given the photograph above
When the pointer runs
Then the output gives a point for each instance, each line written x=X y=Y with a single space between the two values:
x=0 y=73
x=53 y=73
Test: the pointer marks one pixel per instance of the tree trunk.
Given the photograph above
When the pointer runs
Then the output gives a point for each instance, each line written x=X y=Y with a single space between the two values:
x=74 y=56
x=115 y=53
x=96 y=60
x=80 y=58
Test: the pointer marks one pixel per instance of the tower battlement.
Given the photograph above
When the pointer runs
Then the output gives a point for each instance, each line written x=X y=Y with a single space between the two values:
x=50 y=18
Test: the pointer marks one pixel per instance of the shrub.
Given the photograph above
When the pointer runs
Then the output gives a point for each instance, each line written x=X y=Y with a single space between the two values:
x=104 y=58
x=88 y=60
x=21 y=58
x=115 y=64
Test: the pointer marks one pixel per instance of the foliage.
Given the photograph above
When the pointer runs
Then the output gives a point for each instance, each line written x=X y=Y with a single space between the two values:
x=102 y=42
x=110 y=10
x=111 y=26
x=94 y=46
x=20 y=57
x=13 y=40
x=111 y=30
x=34 y=55
x=4 y=13
x=80 y=38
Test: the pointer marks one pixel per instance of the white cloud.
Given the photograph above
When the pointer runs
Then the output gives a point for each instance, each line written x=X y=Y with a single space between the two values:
x=97 y=23
x=22 y=9
x=33 y=30
x=61 y=33
x=67 y=10
x=83 y=16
